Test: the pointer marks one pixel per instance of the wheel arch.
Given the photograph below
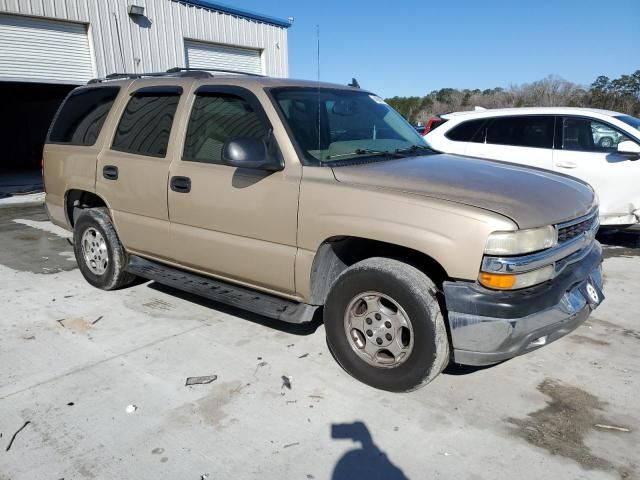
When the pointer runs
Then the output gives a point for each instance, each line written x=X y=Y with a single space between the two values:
x=336 y=254
x=78 y=198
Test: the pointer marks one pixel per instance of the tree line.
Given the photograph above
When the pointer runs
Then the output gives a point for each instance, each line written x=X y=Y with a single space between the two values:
x=620 y=94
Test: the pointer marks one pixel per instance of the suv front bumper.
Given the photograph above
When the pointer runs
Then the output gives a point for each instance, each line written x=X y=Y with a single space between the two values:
x=490 y=326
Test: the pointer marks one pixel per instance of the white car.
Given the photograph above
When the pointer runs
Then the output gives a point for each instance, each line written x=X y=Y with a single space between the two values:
x=598 y=146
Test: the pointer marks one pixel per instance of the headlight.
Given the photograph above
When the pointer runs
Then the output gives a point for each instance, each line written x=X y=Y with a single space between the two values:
x=519 y=242
x=499 y=281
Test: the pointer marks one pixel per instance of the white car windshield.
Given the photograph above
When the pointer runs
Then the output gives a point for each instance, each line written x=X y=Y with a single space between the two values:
x=629 y=120
x=333 y=125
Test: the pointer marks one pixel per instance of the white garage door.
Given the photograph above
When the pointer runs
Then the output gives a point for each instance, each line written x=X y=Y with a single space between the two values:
x=38 y=50
x=211 y=55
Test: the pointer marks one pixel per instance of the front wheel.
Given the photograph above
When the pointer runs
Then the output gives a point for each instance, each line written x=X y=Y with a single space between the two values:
x=606 y=142
x=384 y=325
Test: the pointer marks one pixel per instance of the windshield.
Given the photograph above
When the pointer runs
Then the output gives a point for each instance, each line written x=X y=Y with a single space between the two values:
x=629 y=120
x=332 y=125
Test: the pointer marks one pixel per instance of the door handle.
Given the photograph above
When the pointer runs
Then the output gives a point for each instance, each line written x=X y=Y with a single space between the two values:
x=566 y=165
x=110 y=172
x=180 y=184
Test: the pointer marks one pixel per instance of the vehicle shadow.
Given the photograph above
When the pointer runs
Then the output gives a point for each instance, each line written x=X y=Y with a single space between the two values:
x=301 y=329
x=456 y=369
x=623 y=237
x=366 y=461
x=624 y=242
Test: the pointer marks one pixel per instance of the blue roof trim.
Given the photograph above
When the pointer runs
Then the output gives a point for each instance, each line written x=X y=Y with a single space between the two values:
x=236 y=11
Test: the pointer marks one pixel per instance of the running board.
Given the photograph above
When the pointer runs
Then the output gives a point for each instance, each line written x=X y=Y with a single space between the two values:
x=219 y=291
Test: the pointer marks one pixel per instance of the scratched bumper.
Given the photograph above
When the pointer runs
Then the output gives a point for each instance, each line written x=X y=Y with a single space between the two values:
x=488 y=327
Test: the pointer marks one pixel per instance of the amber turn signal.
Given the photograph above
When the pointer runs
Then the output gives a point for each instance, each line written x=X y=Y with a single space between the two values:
x=497 y=281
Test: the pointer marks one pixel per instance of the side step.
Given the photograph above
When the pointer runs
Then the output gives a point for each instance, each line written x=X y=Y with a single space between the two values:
x=219 y=291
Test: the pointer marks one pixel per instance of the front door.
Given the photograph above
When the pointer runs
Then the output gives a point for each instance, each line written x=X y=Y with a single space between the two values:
x=132 y=174
x=589 y=152
x=239 y=224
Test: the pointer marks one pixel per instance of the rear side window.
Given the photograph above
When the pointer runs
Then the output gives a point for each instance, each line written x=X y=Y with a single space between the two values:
x=145 y=125
x=81 y=116
x=470 y=131
x=524 y=131
x=215 y=118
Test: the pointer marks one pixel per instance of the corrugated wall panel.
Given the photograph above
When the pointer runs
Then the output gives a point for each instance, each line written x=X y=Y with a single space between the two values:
x=201 y=55
x=34 y=49
x=156 y=42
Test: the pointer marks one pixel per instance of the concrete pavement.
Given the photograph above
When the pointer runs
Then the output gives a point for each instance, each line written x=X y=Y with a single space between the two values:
x=73 y=358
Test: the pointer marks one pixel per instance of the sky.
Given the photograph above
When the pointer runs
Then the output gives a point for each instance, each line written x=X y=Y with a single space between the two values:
x=407 y=47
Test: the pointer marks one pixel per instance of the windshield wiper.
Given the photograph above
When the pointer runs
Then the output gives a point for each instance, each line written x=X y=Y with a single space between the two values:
x=412 y=149
x=359 y=151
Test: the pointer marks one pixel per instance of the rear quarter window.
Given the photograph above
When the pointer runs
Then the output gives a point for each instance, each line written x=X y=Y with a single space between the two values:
x=469 y=131
x=80 y=118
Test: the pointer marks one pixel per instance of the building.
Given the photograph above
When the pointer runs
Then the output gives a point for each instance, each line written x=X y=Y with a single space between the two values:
x=47 y=47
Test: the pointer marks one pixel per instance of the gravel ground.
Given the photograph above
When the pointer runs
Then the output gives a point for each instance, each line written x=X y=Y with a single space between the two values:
x=92 y=385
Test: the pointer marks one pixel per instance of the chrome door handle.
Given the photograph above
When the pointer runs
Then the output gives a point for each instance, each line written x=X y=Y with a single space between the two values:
x=566 y=165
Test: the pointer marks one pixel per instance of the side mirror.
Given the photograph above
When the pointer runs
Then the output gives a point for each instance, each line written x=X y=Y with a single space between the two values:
x=629 y=147
x=249 y=152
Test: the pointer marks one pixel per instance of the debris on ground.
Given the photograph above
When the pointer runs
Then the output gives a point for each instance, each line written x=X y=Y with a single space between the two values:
x=16 y=434
x=291 y=444
x=201 y=380
x=304 y=355
x=286 y=382
x=30 y=337
x=70 y=404
x=204 y=476
x=131 y=408
x=96 y=320
x=611 y=427
x=261 y=364
x=290 y=345
x=291 y=401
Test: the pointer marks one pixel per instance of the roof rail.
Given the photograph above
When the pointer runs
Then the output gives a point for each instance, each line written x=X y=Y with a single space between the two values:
x=169 y=73
x=219 y=70
x=172 y=72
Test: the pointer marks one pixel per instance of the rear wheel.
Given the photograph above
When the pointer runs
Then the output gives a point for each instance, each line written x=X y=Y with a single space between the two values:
x=384 y=325
x=99 y=253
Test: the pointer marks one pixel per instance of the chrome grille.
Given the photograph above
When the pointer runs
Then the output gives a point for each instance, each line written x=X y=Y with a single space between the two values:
x=568 y=232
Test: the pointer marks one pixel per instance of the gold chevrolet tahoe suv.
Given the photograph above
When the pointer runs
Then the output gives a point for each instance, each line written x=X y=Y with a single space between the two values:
x=283 y=196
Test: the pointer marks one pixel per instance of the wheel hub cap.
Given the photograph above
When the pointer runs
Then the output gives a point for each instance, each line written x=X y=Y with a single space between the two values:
x=94 y=251
x=378 y=330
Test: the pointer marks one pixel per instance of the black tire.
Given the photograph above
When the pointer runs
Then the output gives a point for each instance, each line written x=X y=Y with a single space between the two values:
x=606 y=142
x=115 y=276
x=416 y=294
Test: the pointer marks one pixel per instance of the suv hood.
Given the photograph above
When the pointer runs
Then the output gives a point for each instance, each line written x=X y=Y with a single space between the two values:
x=530 y=197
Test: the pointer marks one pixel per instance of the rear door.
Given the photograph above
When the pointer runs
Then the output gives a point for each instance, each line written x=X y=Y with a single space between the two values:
x=588 y=150
x=239 y=224
x=133 y=169
x=523 y=139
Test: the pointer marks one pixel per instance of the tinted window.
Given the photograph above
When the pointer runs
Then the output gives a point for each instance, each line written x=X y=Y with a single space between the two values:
x=146 y=124
x=215 y=118
x=525 y=131
x=470 y=131
x=585 y=135
x=80 y=118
